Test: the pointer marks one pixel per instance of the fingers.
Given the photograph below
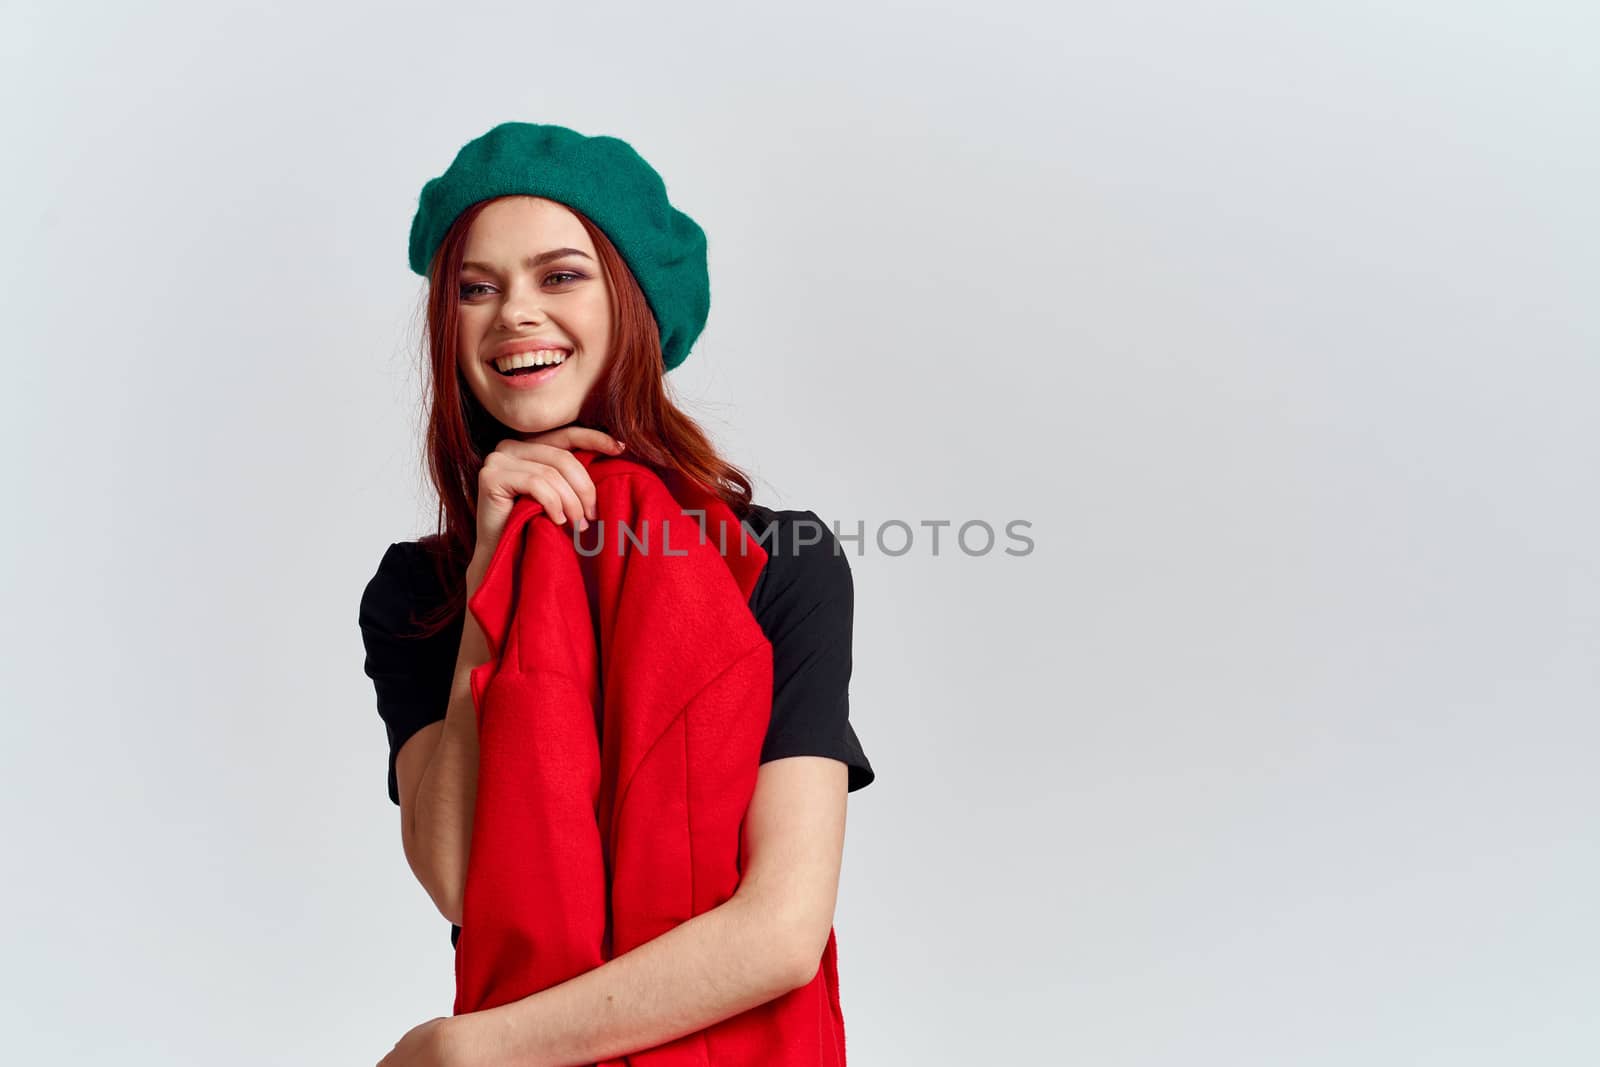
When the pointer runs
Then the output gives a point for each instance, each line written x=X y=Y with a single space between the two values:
x=564 y=470
x=577 y=478
x=549 y=486
x=544 y=468
x=587 y=437
x=571 y=436
x=506 y=476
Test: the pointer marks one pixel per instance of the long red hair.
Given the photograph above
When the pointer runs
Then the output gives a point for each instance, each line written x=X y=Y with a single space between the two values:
x=629 y=401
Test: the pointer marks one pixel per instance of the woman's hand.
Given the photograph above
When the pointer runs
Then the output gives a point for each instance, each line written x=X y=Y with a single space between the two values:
x=543 y=467
x=436 y=1043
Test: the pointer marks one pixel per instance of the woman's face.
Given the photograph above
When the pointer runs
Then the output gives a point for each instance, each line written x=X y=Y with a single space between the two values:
x=530 y=277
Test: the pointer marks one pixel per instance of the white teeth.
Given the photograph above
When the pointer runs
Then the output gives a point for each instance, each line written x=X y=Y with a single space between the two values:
x=544 y=357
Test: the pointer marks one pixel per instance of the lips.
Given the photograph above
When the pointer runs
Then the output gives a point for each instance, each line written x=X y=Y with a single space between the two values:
x=517 y=348
x=541 y=358
x=529 y=377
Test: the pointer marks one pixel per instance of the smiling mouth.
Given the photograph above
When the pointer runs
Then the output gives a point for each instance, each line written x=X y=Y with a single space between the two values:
x=523 y=372
x=532 y=376
x=547 y=359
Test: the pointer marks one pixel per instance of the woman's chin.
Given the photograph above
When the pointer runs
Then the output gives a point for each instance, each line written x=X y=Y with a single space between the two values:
x=528 y=422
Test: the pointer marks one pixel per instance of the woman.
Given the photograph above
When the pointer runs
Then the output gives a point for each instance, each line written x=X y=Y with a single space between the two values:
x=562 y=288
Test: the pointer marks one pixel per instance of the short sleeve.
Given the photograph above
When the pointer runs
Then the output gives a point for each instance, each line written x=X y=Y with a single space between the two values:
x=410 y=674
x=805 y=602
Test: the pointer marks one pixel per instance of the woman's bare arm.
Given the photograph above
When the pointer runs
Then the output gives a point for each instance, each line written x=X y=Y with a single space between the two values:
x=765 y=940
x=437 y=775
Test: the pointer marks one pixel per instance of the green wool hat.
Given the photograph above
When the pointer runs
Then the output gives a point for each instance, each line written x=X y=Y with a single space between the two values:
x=606 y=180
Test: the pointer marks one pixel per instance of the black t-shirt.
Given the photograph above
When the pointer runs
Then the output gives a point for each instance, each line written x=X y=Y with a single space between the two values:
x=804 y=600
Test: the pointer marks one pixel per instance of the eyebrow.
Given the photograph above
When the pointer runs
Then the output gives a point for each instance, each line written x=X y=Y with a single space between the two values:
x=532 y=261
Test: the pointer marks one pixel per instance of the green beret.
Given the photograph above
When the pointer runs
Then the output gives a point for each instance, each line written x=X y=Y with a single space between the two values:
x=605 y=179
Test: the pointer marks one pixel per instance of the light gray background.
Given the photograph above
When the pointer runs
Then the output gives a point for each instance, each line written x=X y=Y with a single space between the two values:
x=1275 y=320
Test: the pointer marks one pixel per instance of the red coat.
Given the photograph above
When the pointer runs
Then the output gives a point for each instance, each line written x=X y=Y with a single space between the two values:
x=621 y=716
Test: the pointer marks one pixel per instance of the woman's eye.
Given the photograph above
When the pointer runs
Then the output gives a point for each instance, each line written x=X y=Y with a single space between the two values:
x=470 y=290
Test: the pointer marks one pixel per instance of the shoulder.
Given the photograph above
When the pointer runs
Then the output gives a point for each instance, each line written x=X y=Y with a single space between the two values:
x=388 y=593
x=404 y=585
x=805 y=602
x=410 y=671
x=806 y=564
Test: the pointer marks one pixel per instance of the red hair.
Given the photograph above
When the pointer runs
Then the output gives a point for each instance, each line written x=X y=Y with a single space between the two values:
x=629 y=401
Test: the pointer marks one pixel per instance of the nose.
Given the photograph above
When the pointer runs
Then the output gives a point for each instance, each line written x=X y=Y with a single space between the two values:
x=522 y=306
